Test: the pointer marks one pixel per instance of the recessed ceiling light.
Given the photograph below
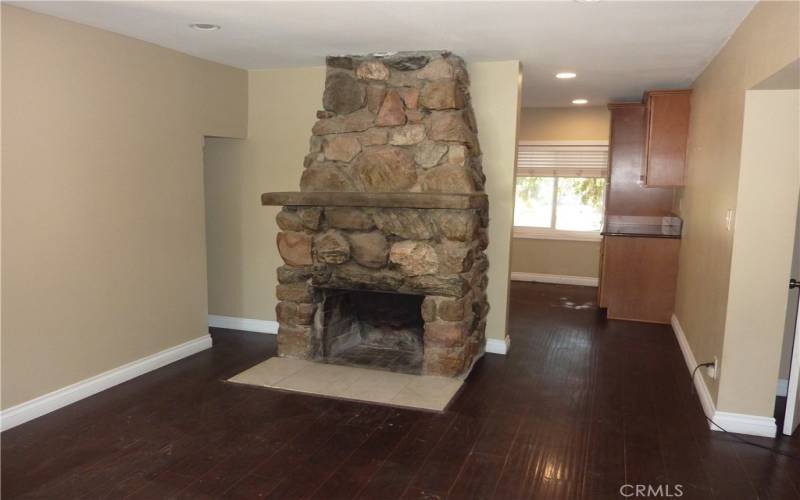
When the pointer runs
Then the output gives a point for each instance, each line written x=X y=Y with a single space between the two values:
x=566 y=75
x=579 y=101
x=204 y=27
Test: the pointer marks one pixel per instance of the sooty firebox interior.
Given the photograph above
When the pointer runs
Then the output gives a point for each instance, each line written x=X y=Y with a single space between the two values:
x=373 y=329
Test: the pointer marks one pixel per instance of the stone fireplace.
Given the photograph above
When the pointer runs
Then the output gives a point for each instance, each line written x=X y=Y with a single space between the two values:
x=384 y=243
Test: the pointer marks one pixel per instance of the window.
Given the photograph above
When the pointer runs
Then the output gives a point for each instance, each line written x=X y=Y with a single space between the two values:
x=560 y=190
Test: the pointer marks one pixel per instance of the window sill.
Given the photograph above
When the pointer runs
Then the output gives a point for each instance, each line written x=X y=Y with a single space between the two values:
x=549 y=234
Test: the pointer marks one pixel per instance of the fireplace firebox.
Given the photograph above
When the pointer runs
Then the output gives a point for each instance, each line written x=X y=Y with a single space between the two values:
x=371 y=329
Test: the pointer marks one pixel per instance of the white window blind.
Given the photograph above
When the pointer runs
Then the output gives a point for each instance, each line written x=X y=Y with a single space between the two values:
x=562 y=160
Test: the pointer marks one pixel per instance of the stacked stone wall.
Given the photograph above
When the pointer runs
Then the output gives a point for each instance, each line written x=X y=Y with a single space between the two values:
x=395 y=123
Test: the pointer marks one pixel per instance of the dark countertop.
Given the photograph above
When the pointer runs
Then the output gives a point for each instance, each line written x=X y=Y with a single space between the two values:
x=643 y=226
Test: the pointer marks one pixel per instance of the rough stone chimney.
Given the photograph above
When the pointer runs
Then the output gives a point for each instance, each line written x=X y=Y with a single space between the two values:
x=384 y=244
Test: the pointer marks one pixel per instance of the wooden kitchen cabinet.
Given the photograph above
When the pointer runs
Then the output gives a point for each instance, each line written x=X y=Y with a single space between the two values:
x=601 y=297
x=666 y=135
x=639 y=253
x=626 y=194
x=639 y=277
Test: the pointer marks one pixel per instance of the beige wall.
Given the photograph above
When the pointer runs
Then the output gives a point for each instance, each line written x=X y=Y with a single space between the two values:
x=763 y=44
x=560 y=257
x=557 y=257
x=102 y=198
x=577 y=123
x=766 y=207
x=496 y=89
x=241 y=234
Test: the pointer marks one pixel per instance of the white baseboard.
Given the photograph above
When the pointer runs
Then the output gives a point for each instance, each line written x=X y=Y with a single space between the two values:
x=244 y=324
x=699 y=382
x=59 y=398
x=783 y=387
x=497 y=346
x=739 y=423
x=554 y=278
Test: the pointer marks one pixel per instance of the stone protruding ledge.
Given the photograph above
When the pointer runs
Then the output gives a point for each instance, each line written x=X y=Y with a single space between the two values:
x=378 y=200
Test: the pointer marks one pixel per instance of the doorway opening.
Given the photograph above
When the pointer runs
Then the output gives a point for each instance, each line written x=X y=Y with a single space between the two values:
x=560 y=194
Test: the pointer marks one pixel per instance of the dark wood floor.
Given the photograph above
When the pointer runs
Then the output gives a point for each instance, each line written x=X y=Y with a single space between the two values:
x=578 y=408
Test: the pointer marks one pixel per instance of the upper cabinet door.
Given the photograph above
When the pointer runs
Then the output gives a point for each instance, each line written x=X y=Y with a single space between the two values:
x=665 y=141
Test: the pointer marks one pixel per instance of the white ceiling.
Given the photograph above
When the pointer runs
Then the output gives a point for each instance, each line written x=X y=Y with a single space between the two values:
x=618 y=49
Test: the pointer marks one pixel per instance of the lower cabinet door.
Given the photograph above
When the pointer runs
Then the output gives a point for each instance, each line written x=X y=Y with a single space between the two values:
x=639 y=278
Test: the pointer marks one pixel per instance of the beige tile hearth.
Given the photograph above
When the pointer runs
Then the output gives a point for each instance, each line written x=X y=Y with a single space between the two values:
x=379 y=387
x=267 y=374
x=347 y=382
x=318 y=378
x=435 y=392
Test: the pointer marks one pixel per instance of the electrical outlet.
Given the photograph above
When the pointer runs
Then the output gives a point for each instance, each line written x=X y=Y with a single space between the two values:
x=713 y=371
